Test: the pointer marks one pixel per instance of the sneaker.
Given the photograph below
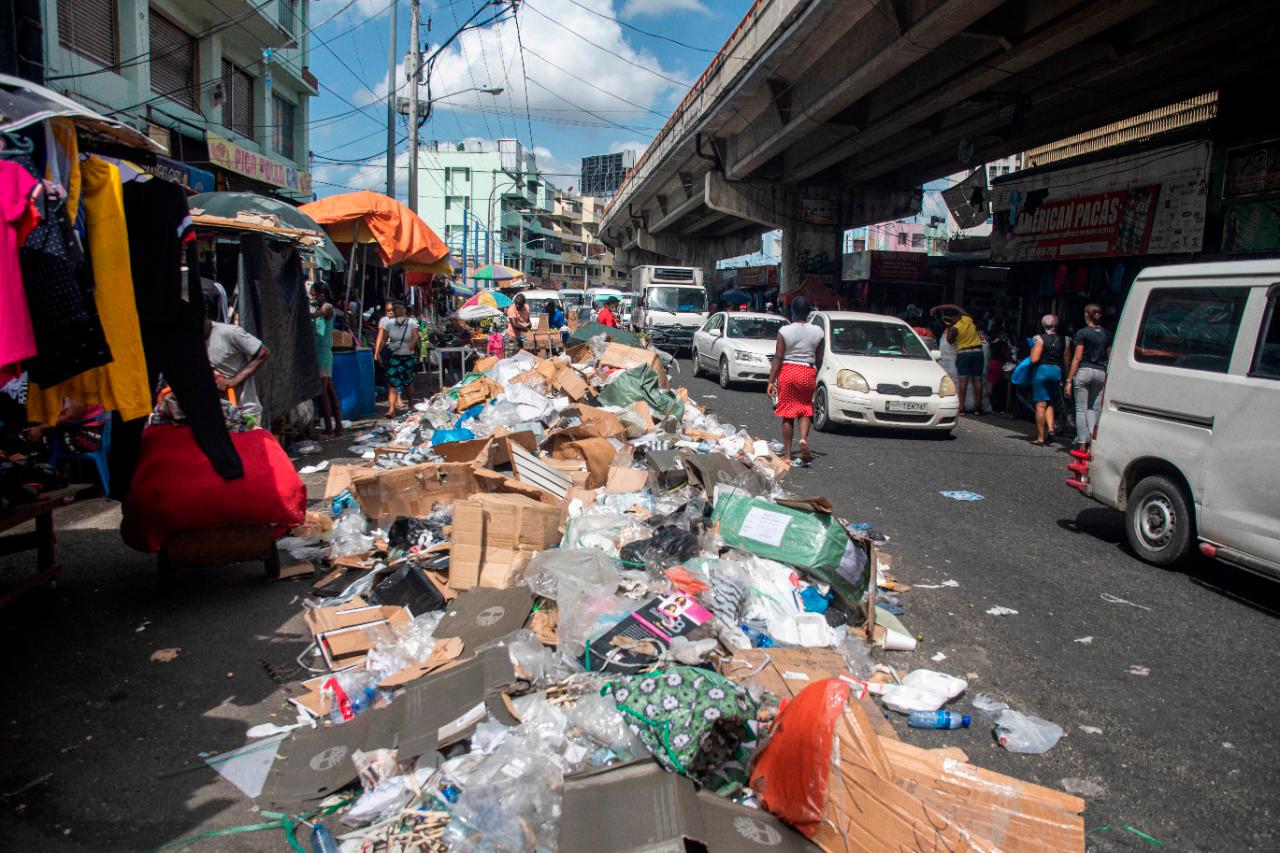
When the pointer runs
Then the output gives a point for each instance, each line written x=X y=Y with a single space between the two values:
x=799 y=462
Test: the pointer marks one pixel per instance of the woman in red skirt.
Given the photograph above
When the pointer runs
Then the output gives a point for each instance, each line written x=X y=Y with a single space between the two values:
x=796 y=360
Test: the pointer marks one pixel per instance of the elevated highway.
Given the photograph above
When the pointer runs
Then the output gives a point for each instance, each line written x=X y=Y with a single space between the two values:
x=822 y=115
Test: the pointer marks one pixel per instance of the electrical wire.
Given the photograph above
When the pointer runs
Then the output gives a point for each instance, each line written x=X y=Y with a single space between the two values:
x=524 y=72
x=533 y=52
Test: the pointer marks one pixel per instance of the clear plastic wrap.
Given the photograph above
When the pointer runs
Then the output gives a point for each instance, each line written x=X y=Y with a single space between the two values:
x=1019 y=732
x=585 y=616
x=348 y=536
x=563 y=573
x=599 y=718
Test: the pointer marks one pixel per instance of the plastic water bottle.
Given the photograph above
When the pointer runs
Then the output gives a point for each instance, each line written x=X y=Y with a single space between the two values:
x=937 y=720
x=322 y=840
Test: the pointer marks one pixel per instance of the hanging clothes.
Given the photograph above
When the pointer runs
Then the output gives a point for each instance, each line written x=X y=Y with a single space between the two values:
x=274 y=308
x=121 y=385
x=18 y=217
x=170 y=309
x=64 y=161
x=59 y=286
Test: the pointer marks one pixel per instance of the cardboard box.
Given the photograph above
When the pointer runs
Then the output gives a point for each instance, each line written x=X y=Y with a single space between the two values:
x=479 y=391
x=708 y=470
x=666 y=468
x=412 y=491
x=596 y=453
x=480 y=616
x=625 y=479
x=623 y=357
x=539 y=474
x=785 y=671
x=640 y=806
x=623 y=648
x=343 y=340
x=484 y=365
x=495 y=535
x=571 y=383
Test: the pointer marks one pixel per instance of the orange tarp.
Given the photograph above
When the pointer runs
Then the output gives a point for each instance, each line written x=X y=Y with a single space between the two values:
x=368 y=217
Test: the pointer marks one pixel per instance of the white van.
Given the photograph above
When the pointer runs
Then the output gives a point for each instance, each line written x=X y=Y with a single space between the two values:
x=1188 y=442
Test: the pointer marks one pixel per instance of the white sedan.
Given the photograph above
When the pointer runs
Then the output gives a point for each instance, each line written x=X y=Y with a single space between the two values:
x=737 y=346
x=877 y=372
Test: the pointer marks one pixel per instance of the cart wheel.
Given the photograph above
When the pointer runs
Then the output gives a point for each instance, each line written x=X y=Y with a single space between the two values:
x=272 y=563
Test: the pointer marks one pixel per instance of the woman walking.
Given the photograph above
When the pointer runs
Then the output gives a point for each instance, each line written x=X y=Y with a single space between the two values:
x=1087 y=375
x=1047 y=356
x=398 y=338
x=322 y=319
x=796 y=359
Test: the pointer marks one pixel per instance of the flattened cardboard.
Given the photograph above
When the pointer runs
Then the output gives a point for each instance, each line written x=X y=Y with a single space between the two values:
x=481 y=390
x=707 y=470
x=495 y=535
x=355 y=612
x=784 y=671
x=475 y=450
x=597 y=453
x=480 y=616
x=484 y=365
x=623 y=357
x=571 y=383
x=622 y=480
x=435 y=710
x=444 y=652
x=641 y=807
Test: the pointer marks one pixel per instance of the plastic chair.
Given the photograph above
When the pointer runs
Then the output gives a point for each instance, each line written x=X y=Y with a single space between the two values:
x=60 y=454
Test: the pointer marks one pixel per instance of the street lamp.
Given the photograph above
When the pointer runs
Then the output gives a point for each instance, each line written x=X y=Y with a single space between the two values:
x=402 y=104
x=410 y=108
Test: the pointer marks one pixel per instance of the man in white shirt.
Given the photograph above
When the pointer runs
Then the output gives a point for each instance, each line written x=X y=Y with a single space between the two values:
x=235 y=356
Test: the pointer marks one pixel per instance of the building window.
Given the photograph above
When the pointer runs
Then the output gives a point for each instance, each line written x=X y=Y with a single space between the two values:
x=237 y=103
x=455 y=202
x=88 y=28
x=173 y=61
x=457 y=173
x=283 y=128
x=285 y=14
x=1192 y=328
x=917 y=241
x=902 y=238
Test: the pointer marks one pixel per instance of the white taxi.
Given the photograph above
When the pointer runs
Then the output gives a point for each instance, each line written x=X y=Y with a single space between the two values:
x=877 y=372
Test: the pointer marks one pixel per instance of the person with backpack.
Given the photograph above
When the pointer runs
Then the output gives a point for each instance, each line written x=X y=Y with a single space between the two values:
x=1048 y=354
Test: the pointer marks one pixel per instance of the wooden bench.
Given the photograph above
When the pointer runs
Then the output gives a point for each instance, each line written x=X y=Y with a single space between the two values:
x=42 y=539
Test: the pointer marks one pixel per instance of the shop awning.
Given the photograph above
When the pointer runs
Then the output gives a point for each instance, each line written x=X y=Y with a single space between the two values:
x=23 y=103
x=400 y=234
x=231 y=205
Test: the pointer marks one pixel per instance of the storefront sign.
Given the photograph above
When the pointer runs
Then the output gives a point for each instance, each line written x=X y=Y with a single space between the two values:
x=1148 y=203
x=766 y=276
x=1252 y=170
x=228 y=155
x=187 y=177
x=1251 y=226
x=877 y=265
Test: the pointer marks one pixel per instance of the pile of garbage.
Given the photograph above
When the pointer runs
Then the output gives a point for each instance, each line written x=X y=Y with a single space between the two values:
x=561 y=606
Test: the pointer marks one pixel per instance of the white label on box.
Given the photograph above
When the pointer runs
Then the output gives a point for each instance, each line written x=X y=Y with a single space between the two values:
x=765 y=526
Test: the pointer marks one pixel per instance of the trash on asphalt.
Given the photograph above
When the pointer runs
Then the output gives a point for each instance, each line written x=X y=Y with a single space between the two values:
x=560 y=605
x=1001 y=610
x=962 y=495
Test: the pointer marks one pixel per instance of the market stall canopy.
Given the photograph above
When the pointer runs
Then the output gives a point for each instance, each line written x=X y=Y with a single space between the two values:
x=496 y=272
x=23 y=103
x=472 y=313
x=231 y=205
x=818 y=294
x=488 y=297
x=401 y=236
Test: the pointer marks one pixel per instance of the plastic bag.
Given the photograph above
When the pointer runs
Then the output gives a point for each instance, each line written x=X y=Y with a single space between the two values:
x=669 y=545
x=583 y=617
x=563 y=573
x=348 y=536
x=530 y=405
x=599 y=718
x=1019 y=732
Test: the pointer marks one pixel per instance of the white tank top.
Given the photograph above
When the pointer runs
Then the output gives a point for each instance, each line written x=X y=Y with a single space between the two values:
x=800 y=343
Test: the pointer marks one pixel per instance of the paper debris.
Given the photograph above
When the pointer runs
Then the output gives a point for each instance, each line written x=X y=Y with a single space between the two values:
x=1138 y=669
x=938 y=657
x=962 y=495
x=1090 y=730
x=1115 y=599
x=1083 y=787
x=1001 y=610
x=1084 y=641
x=164 y=655
x=949 y=582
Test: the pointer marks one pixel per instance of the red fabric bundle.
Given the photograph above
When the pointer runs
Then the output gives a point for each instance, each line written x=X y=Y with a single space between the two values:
x=175 y=489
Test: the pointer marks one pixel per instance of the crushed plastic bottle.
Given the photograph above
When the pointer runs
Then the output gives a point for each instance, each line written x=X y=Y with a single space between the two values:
x=938 y=720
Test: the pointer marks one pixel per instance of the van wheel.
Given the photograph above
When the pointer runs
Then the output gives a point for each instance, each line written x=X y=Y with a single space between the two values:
x=1158 y=521
x=724 y=372
x=821 y=417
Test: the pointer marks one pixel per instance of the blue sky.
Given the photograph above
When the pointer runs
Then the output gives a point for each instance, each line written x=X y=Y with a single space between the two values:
x=596 y=83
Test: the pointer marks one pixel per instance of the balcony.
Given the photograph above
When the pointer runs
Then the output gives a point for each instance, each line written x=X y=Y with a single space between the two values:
x=258 y=22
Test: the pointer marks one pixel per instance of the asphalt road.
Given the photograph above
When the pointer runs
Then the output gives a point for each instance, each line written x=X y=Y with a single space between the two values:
x=102 y=744
x=1187 y=754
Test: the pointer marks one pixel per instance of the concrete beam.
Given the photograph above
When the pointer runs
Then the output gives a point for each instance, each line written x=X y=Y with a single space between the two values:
x=881 y=51
x=768 y=204
x=677 y=212
x=912 y=107
x=695 y=251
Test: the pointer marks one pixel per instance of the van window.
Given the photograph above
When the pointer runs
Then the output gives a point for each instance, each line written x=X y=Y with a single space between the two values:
x=1192 y=328
x=1266 y=357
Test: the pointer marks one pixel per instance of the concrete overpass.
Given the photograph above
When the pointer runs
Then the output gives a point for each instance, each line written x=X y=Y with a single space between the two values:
x=822 y=115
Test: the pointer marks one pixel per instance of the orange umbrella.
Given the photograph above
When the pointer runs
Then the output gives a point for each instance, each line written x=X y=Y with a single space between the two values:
x=400 y=234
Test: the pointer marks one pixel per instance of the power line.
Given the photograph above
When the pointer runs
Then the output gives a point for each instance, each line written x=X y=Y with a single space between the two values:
x=594 y=86
x=524 y=72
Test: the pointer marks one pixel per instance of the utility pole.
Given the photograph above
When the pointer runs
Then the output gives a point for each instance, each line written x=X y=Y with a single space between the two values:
x=391 y=106
x=415 y=70
x=466 y=209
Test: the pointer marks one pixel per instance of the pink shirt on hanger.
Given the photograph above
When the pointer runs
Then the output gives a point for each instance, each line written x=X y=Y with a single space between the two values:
x=18 y=215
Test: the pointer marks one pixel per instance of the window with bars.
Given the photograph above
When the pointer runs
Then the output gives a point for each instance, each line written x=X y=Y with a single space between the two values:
x=173 y=61
x=237 y=103
x=285 y=14
x=88 y=28
x=283 y=129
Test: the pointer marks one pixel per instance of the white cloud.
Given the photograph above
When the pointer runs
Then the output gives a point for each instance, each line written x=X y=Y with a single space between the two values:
x=582 y=60
x=322 y=9
x=637 y=147
x=634 y=8
x=561 y=173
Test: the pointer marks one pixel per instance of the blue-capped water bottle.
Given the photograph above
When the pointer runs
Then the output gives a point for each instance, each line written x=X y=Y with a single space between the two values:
x=937 y=720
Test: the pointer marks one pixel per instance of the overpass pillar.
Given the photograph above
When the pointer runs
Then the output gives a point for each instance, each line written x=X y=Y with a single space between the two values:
x=811 y=247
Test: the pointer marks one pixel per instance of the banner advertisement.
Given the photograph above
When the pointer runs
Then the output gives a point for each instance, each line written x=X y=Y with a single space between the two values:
x=764 y=276
x=1252 y=170
x=228 y=155
x=1149 y=203
x=878 y=265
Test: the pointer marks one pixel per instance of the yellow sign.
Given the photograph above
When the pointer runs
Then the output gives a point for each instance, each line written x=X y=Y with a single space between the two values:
x=228 y=155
